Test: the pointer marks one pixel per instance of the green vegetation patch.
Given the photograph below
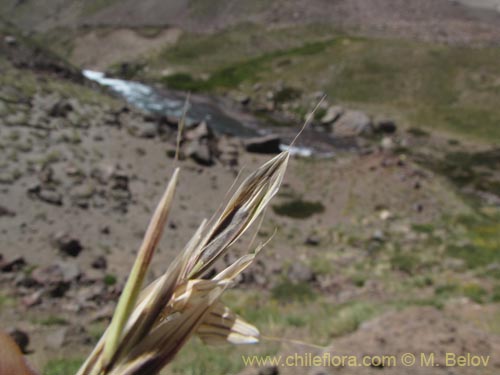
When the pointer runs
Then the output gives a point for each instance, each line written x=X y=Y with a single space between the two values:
x=432 y=85
x=477 y=170
x=287 y=291
x=483 y=249
x=230 y=76
x=298 y=208
x=62 y=366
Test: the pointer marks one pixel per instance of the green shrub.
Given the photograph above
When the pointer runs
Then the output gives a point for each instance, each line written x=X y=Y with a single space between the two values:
x=475 y=292
x=110 y=279
x=299 y=209
x=287 y=291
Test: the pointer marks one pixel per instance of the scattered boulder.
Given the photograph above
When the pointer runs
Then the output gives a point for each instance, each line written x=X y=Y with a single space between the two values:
x=300 y=273
x=56 y=339
x=100 y=263
x=200 y=152
x=378 y=236
x=83 y=191
x=21 y=338
x=147 y=130
x=50 y=197
x=10 y=40
x=33 y=299
x=12 y=265
x=4 y=211
x=269 y=144
x=68 y=245
x=55 y=273
x=60 y=109
x=386 y=127
x=313 y=240
x=103 y=173
x=332 y=114
x=352 y=124
x=270 y=370
x=198 y=132
x=387 y=143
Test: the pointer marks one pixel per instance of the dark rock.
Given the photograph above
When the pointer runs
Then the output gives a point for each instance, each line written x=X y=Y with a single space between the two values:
x=59 y=289
x=300 y=273
x=13 y=265
x=60 y=109
x=100 y=263
x=120 y=182
x=271 y=370
x=21 y=338
x=313 y=240
x=269 y=144
x=5 y=212
x=386 y=127
x=50 y=196
x=245 y=100
x=68 y=245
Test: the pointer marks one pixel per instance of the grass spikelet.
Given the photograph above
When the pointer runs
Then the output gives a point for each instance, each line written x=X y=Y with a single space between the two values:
x=149 y=328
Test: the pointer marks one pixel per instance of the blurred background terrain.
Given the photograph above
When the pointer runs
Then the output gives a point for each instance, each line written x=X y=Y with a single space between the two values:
x=388 y=232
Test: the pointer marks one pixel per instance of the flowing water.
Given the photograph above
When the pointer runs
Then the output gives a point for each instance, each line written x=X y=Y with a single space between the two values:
x=200 y=109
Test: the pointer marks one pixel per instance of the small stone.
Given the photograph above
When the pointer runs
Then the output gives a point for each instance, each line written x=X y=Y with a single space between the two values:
x=51 y=197
x=313 y=240
x=68 y=245
x=103 y=173
x=10 y=40
x=270 y=370
x=300 y=273
x=60 y=109
x=332 y=114
x=100 y=263
x=120 y=182
x=386 y=127
x=387 y=143
x=21 y=338
x=269 y=144
x=33 y=299
x=148 y=130
x=385 y=214
x=56 y=339
x=83 y=191
x=200 y=131
x=378 y=236
x=13 y=265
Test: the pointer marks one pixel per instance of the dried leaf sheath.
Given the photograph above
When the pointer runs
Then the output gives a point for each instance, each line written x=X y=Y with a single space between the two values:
x=180 y=303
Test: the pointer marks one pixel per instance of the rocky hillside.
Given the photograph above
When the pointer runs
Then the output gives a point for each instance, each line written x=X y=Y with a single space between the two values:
x=131 y=29
x=392 y=241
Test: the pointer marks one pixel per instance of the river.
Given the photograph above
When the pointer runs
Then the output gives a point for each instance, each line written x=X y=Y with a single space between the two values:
x=201 y=108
